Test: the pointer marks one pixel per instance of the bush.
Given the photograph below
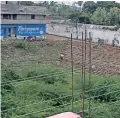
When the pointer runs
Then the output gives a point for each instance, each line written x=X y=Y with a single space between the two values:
x=32 y=73
x=49 y=76
x=9 y=75
x=53 y=93
x=103 y=92
x=52 y=79
x=21 y=45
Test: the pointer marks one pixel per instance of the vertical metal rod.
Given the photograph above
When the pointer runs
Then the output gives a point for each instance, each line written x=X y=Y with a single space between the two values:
x=72 y=68
x=82 y=77
x=85 y=64
x=90 y=39
x=76 y=28
x=116 y=51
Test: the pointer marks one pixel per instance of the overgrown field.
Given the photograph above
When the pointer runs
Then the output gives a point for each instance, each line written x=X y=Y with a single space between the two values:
x=36 y=84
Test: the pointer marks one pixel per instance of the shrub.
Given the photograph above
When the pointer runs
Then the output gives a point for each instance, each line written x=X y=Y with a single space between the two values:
x=53 y=94
x=32 y=73
x=49 y=76
x=103 y=92
x=8 y=75
x=21 y=45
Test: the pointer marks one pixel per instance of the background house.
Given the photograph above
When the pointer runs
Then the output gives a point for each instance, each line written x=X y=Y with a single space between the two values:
x=30 y=18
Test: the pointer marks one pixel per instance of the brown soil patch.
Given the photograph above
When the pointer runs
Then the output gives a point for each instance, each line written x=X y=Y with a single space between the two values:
x=106 y=59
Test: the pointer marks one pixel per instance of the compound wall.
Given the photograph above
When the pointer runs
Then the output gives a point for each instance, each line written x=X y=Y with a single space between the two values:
x=96 y=33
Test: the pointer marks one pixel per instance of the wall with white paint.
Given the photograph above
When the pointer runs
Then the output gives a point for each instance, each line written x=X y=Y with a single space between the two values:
x=96 y=31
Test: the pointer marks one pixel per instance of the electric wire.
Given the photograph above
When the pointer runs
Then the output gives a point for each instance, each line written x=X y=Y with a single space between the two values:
x=72 y=80
x=28 y=78
x=67 y=95
x=62 y=105
x=32 y=78
x=102 y=105
x=60 y=97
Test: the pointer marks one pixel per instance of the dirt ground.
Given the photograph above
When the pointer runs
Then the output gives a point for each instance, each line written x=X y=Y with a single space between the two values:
x=105 y=59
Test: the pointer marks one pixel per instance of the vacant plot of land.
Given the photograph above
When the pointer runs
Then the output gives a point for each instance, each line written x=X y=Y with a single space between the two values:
x=105 y=59
x=35 y=81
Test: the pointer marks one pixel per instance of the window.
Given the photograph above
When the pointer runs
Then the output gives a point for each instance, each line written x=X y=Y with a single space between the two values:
x=6 y=16
x=14 y=16
x=32 y=16
x=21 y=10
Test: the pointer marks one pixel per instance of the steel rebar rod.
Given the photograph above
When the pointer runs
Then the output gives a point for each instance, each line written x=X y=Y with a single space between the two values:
x=72 y=69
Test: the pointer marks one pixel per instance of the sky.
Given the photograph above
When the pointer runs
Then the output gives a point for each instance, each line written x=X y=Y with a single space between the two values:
x=65 y=2
x=71 y=1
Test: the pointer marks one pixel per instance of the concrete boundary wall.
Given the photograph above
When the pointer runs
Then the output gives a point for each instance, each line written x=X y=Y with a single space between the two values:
x=97 y=33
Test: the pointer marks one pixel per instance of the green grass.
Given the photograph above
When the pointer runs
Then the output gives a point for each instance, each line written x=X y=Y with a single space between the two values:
x=28 y=87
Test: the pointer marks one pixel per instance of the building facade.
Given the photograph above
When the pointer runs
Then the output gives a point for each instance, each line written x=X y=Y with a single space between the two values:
x=22 y=21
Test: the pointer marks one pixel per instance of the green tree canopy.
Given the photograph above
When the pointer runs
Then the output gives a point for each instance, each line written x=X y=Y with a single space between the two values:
x=79 y=3
x=106 y=4
x=99 y=16
x=27 y=3
x=114 y=16
x=89 y=6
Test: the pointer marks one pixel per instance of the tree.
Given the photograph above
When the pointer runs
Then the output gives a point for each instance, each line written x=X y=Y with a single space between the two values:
x=114 y=16
x=117 y=5
x=74 y=15
x=99 y=16
x=52 y=3
x=79 y=3
x=44 y=4
x=89 y=6
x=27 y=3
x=106 y=4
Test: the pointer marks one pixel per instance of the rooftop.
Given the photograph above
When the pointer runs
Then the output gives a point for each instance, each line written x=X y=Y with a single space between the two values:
x=23 y=21
x=20 y=9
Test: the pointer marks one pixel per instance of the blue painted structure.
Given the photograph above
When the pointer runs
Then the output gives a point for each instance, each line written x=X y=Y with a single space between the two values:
x=31 y=30
x=23 y=30
x=1 y=31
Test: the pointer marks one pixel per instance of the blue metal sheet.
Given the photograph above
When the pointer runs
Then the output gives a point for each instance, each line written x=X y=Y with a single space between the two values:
x=6 y=25
x=4 y=29
x=31 y=30
x=1 y=31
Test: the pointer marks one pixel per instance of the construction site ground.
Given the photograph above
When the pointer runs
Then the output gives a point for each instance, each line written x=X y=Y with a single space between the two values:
x=38 y=77
x=105 y=59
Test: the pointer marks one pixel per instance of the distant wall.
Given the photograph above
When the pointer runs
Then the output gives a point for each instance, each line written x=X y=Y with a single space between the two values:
x=23 y=17
x=96 y=31
x=39 y=17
